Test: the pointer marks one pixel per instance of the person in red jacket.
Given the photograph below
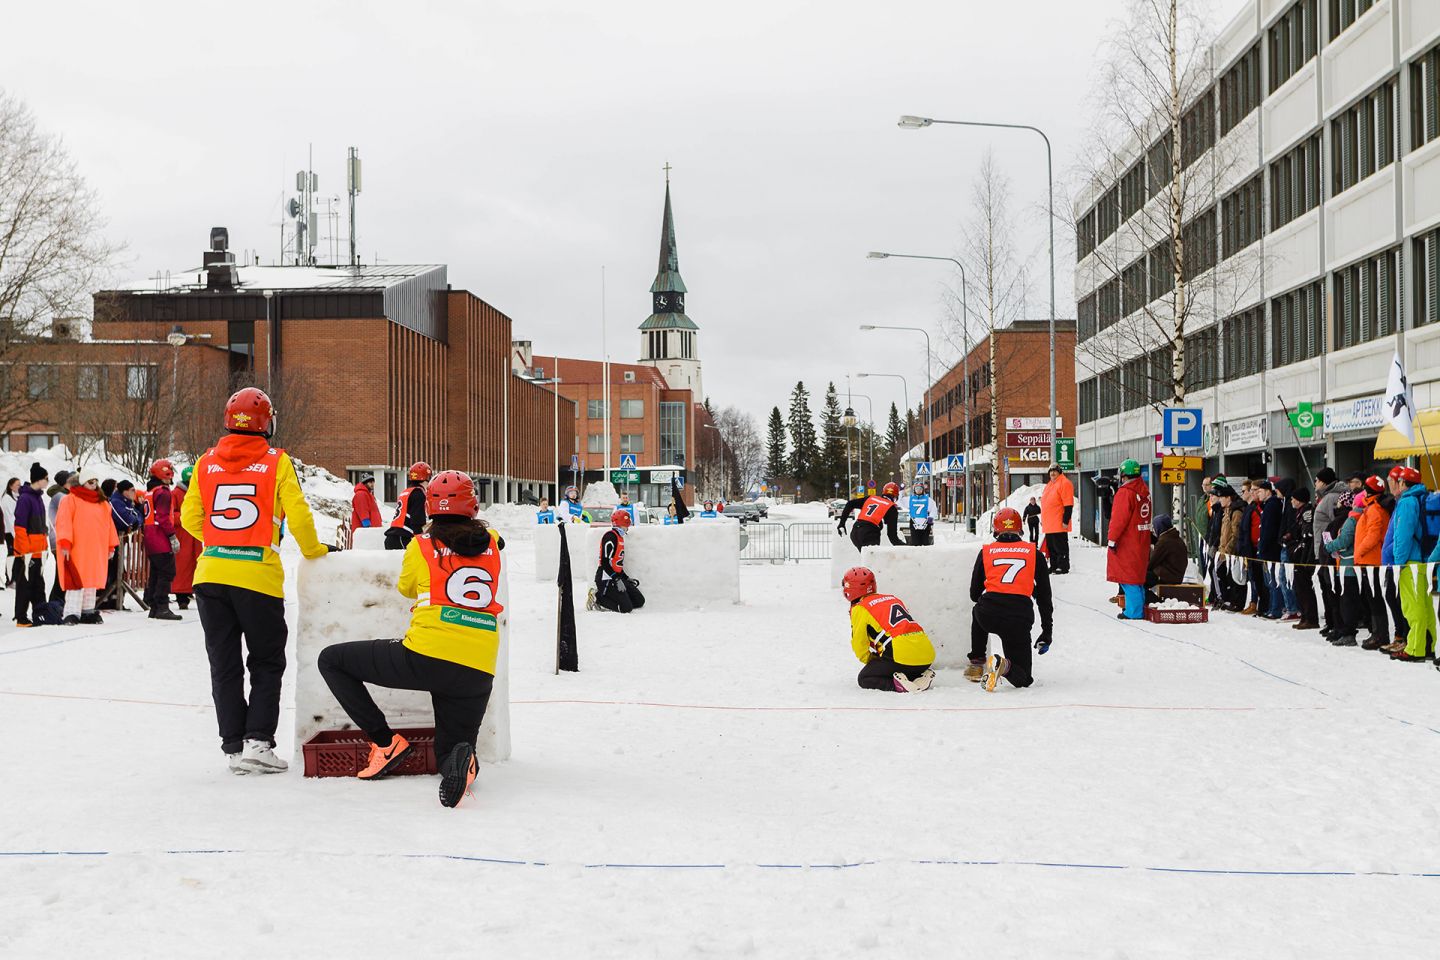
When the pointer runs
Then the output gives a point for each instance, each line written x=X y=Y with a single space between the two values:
x=189 y=552
x=364 y=510
x=1129 y=540
x=161 y=544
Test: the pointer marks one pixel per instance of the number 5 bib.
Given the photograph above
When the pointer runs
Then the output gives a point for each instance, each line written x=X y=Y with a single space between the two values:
x=239 y=505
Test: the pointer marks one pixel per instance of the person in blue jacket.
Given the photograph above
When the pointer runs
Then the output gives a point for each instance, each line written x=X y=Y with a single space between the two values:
x=1407 y=525
x=544 y=514
x=571 y=508
x=125 y=512
x=1392 y=586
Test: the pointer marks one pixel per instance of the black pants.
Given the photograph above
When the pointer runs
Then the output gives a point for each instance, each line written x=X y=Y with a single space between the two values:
x=1374 y=612
x=1305 y=594
x=879 y=673
x=229 y=614
x=29 y=579
x=922 y=536
x=1011 y=622
x=55 y=592
x=1351 y=607
x=864 y=534
x=1328 y=607
x=620 y=595
x=1231 y=593
x=458 y=693
x=398 y=538
x=1392 y=599
x=157 y=586
x=9 y=553
x=1256 y=571
x=1057 y=545
x=1034 y=527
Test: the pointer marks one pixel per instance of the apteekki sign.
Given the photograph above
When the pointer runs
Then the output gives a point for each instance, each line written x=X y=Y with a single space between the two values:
x=1027 y=438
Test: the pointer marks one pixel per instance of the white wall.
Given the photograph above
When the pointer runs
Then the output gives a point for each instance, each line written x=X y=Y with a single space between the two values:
x=686 y=566
x=934 y=584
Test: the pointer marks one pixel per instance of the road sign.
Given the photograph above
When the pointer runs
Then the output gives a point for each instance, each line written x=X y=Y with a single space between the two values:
x=955 y=463
x=1182 y=463
x=624 y=476
x=1182 y=427
x=627 y=461
x=922 y=469
x=1175 y=477
x=574 y=461
x=1065 y=453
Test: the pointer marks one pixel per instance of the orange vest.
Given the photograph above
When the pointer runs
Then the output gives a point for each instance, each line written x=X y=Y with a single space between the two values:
x=873 y=510
x=617 y=559
x=238 y=506
x=404 y=506
x=463 y=586
x=1009 y=568
x=891 y=614
x=150 y=520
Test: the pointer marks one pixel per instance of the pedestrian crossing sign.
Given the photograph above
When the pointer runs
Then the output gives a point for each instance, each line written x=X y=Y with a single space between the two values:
x=922 y=470
x=955 y=463
x=627 y=461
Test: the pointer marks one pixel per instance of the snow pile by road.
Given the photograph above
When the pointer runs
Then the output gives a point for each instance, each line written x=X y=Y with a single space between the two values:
x=601 y=493
x=515 y=521
x=1018 y=500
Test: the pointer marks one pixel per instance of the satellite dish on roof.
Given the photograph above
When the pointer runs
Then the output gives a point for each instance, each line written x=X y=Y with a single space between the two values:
x=293 y=207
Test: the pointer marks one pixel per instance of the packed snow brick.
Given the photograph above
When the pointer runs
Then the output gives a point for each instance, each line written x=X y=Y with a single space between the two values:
x=546 y=545
x=934 y=584
x=368 y=538
x=680 y=567
x=352 y=596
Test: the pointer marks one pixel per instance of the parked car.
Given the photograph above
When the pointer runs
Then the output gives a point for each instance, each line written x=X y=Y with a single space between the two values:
x=836 y=507
x=744 y=512
x=600 y=516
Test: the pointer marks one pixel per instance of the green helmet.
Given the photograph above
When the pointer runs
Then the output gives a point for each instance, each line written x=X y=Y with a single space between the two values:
x=1129 y=469
x=185 y=476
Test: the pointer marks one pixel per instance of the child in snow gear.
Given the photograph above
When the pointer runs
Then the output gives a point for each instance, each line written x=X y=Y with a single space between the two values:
x=1128 y=539
x=85 y=538
x=614 y=589
x=894 y=648
x=543 y=513
x=1032 y=520
x=920 y=508
x=160 y=541
x=183 y=585
x=570 y=508
x=31 y=542
x=1008 y=574
x=1057 y=506
x=243 y=490
x=410 y=509
x=450 y=648
x=875 y=513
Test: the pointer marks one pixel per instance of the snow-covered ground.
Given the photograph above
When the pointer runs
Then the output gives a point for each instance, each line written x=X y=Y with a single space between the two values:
x=715 y=785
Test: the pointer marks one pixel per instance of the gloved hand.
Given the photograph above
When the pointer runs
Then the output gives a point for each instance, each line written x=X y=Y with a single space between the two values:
x=1042 y=644
x=174 y=543
x=841 y=527
x=365 y=522
x=331 y=548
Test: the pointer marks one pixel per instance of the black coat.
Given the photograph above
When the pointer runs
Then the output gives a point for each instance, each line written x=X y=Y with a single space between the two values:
x=1168 y=559
x=1300 y=538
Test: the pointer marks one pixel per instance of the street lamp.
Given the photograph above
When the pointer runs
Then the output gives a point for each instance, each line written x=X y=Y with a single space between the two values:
x=868 y=399
x=916 y=123
x=905 y=392
x=929 y=421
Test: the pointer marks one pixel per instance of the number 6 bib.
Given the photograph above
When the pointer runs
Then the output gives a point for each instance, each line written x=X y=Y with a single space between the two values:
x=462 y=587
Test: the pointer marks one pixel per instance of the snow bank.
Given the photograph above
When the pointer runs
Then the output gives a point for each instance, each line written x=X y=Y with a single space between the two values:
x=843 y=556
x=680 y=567
x=547 y=552
x=934 y=584
x=515 y=521
x=368 y=538
x=601 y=493
x=17 y=464
x=352 y=596
x=1020 y=499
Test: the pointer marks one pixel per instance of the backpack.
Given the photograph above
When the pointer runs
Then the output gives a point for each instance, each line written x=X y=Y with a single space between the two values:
x=1429 y=523
x=49 y=614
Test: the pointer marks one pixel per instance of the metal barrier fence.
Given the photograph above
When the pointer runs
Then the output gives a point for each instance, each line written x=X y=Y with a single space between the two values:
x=763 y=541
x=776 y=542
x=810 y=541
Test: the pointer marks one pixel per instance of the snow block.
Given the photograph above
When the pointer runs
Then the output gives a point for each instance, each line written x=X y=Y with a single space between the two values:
x=934 y=584
x=684 y=566
x=368 y=538
x=546 y=545
x=352 y=596
x=843 y=556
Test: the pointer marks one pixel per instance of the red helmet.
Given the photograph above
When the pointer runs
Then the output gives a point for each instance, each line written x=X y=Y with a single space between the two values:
x=451 y=493
x=859 y=582
x=1374 y=485
x=249 y=411
x=620 y=518
x=1404 y=473
x=163 y=470
x=891 y=490
x=1007 y=520
x=420 y=471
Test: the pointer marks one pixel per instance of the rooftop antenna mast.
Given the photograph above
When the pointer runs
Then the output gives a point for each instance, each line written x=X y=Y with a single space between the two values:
x=302 y=211
x=352 y=187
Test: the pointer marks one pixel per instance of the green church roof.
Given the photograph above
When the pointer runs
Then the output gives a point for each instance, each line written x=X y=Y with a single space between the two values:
x=668 y=321
x=667 y=278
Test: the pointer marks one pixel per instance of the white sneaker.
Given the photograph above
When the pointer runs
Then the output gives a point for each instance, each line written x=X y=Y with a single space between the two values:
x=259 y=758
x=590 y=599
x=904 y=684
x=237 y=763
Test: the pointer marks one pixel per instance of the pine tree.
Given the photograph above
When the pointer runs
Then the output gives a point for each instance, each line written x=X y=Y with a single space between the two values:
x=775 y=465
x=895 y=437
x=832 y=439
x=804 y=450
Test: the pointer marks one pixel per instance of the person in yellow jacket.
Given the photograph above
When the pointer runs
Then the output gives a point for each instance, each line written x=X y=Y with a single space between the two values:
x=242 y=490
x=451 y=571
x=894 y=648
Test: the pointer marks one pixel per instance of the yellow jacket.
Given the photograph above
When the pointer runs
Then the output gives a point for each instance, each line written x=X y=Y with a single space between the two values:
x=267 y=576
x=428 y=634
x=911 y=649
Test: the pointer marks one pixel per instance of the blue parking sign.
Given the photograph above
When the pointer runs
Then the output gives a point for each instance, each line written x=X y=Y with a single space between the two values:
x=1182 y=427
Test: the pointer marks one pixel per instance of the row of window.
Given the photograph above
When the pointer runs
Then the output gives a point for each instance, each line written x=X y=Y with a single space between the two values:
x=954 y=398
x=629 y=443
x=1293 y=41
x=629 y=409
x=48 y=381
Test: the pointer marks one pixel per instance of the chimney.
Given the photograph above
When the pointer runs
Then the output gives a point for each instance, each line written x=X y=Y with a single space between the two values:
x=221 y=273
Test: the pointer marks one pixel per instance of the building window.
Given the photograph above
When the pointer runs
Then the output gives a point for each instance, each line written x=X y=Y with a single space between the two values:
x=1108 y=211
x=1108 y=304
x=595 y=410
x=241 y=334
x=1427 y=277
x=672 y=432
x=1293 y=41
x=1367 y=301
x=1135 y=382
x=1297 y=325
x=1162 y=270
x=1240 y=217
x=1089 y=400
x=632 y=409
x=632 y=443
x=1244 y=338
x=1199 y=238
x=89 y=382
x=1132 y=287
x=1197 y=129
x=596 y=443
x=1085 y=234
x=1132 y=190
x=1425 y=99
x=140 y=383
x=1362 y=138
x=1344 y=13
x=1202 y=359
x=40 y=379
x=1162 y=374
x=1295 y=183
x=1109 y=404
x=1157 y=163
x=1085 y=318
x=40 y=441
x=1240 y=90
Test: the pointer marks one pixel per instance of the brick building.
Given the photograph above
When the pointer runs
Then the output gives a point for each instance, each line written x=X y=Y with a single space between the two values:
x=371 y=369
x=1019 y=380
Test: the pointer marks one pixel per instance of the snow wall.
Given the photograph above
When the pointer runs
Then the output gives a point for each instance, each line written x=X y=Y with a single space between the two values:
x=352 y=596
x=934 y=584
x=843 y=556
x=368 y=538
x=547 y=552
x=680 y=567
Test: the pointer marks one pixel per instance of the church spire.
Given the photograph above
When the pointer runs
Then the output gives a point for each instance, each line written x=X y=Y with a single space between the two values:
x=668 y=291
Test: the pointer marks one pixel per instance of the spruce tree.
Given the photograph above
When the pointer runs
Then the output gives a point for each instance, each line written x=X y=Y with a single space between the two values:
x=775 y=464
x=832 y=439
x=895 y=437
x=804 y=450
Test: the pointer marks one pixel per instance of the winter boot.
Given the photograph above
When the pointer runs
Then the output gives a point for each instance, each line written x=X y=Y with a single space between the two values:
x=1404 y=657
x=1249 y=611
x=920 y=684
x=259 y=757
x=71 y=621
x=385 y=760
x=1343 y=640
x=92 y=617
x=996 y=667
x=457 y=773
x=1371 y=642
x=1306 y=625
x=975 y=670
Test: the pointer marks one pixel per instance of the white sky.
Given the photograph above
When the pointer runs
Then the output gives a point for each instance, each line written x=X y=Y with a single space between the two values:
x=522 y=144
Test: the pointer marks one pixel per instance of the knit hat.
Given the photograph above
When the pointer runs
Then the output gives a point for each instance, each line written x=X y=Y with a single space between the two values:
x=1162 y=523
x=1347 y=499
x=38 y=472
x=1222 y=488
x=1374 y=485
x=1301 y=494
x=124 y=485
x=1326 y=475
x=61 y=476
x=1359 y=502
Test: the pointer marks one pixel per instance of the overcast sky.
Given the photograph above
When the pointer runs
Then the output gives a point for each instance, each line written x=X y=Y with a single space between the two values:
x=521 y=143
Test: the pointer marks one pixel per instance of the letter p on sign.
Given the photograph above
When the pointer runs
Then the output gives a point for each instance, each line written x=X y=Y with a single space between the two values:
x=1181 y=427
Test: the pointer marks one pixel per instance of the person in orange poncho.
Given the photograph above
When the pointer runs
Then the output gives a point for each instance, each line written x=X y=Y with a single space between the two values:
x=183 y=585
x=84 y=540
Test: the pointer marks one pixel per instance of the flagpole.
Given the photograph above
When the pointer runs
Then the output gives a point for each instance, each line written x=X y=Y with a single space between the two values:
x=1398 y=389
x=1304 y=462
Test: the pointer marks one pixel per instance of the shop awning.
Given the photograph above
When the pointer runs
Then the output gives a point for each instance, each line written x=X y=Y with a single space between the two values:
x=1392 y=445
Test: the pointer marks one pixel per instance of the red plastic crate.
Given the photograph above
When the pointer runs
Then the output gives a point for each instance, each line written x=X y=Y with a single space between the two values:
x=343 y=753
x=1177 y=616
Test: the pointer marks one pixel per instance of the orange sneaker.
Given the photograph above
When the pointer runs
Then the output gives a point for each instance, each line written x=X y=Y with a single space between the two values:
x=457 y=772
x=384 y=760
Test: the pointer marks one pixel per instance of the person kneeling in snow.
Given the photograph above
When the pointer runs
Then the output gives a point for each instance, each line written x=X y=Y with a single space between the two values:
x=1008 y=573
x=450 y=648
x=613 y=589
x=894 y=648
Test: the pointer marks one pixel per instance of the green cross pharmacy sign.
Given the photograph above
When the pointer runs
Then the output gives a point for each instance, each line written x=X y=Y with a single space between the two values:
x=1305 y=419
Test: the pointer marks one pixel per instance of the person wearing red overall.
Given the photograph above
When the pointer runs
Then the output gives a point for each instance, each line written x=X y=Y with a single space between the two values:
x=364 y=510
x=161 y=544
x=875 y=513
x=189 y=552
x=410 y=509
x=1009 y=573
x=449 y=650
x=1129 y=540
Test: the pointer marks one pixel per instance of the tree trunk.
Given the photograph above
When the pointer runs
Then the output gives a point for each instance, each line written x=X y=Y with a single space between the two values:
x=1177 y=235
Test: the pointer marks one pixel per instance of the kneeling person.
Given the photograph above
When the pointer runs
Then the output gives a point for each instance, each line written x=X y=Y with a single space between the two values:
x=450 y=648
x=614 y=590
x=894 y=648
x=1008 y=573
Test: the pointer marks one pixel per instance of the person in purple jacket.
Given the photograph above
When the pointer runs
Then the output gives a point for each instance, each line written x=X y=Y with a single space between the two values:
x=31 y=544
x=161 y=543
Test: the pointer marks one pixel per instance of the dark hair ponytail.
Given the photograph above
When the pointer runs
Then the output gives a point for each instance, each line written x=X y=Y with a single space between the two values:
x=467 y=536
